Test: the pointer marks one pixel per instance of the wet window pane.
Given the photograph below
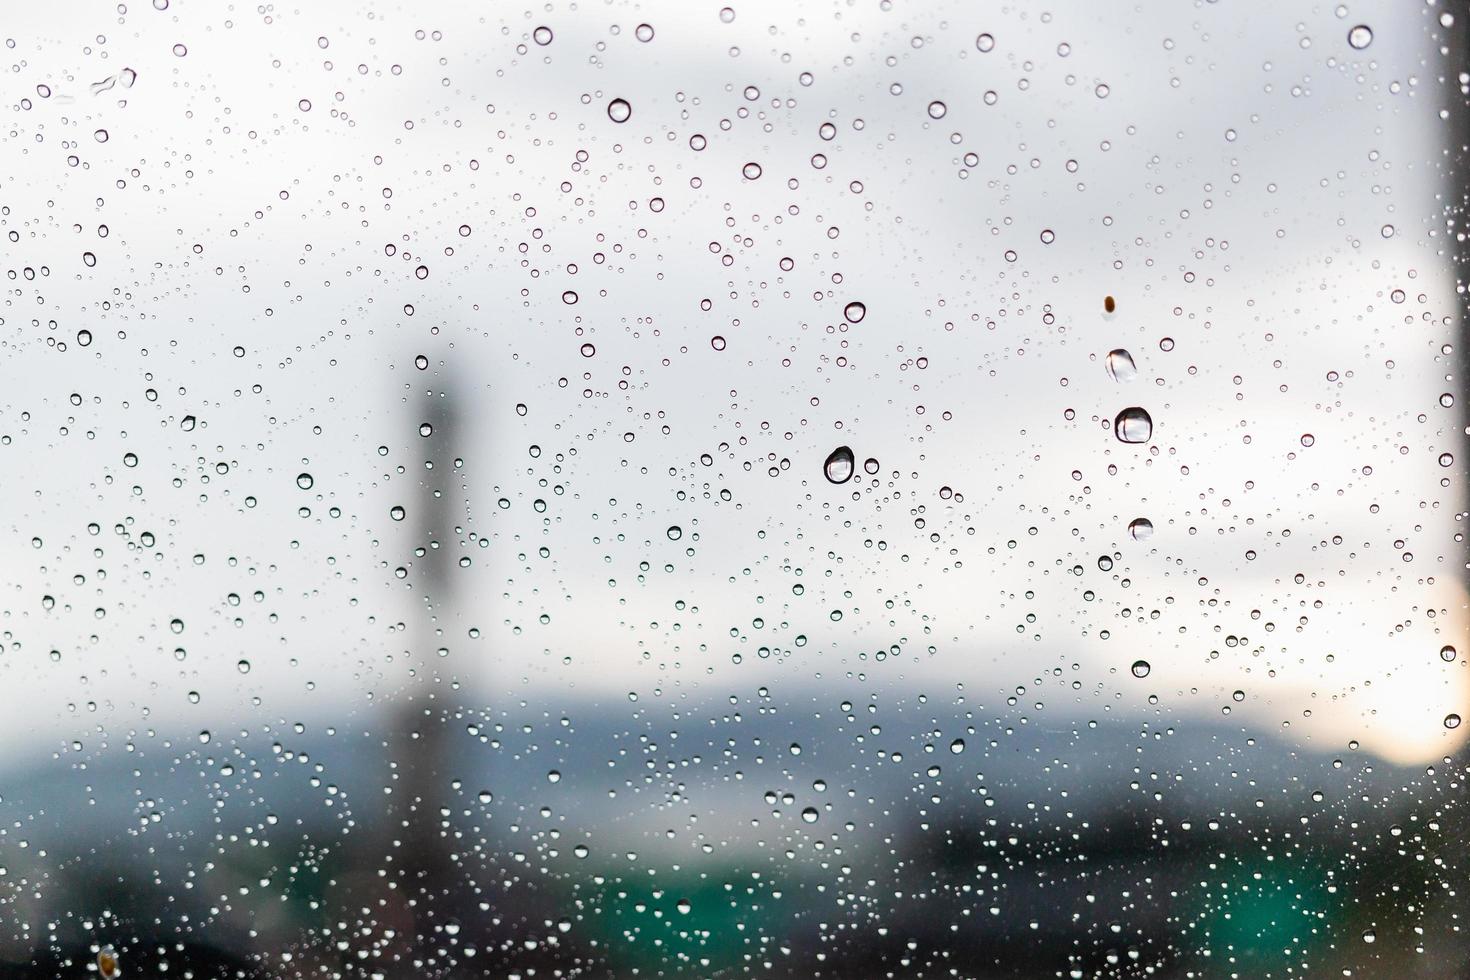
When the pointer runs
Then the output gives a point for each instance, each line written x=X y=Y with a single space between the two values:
x=778 y=490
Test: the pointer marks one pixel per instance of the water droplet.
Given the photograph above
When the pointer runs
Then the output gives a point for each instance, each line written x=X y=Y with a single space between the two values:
x=541 y=35
x=1452 y=720
x=397 y=513
x=588 y=350
x=1105 y=563
x=1120 y=366
x=100 y=135
x=304 y=481
x=1360 y=36
x=839 y=465
x=180 y=50
x=1140 y=529
x=854 y=312
x=809 y=815
x=243 y=666
x=643 y=32
x=1048 y=236
x=985 y=42
x=188 y=422
x=1141 y=668
x=870 y=466
x=1133 y=425
x=1369 y=936
x=675 y=532
x=751 y=171
x=619 y=111
x=1448 y=654
x=957 y=746
x=937 y=109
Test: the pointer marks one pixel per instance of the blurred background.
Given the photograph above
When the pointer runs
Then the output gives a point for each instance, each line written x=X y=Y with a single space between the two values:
x=618 y=490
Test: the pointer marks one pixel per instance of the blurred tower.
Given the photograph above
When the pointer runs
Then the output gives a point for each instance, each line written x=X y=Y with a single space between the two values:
x=427 y=878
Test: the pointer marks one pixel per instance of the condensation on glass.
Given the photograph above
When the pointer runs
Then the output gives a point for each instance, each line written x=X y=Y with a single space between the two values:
x=863 y=490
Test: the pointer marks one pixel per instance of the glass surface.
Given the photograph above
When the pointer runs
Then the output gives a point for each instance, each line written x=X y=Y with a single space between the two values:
x=852 y=490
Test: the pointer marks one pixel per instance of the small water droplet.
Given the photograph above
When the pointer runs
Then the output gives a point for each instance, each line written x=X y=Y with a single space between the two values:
x=619 y=111
x=1141 y=668
x=809 y=815
x=1360 y=36
x=643 y=32
x=1448 y=654
x=397 y=513
x=957 y=746
x=839 y=465
x=675 y=532
x=854 y=312
x=937 y=109
x=985 y=42
x=1140 y=529
x=1133 y=425
x=1452 y=720
x=541 y=35
x=1105 y=563
x=304 y=481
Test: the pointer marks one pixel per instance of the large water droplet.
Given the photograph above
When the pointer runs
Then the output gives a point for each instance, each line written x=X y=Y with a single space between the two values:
x=1141 y=668
x=619 y=111
x=839 y=465
x=1133 y=425
x=1120 y=365
x=1140 y=529
x=1360 y=36
x=854 y=312
x=1452 y=720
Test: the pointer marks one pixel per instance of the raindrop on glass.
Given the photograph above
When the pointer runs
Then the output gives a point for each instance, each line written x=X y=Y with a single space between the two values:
x=839 y=465
x=1133 y=425
x=1120 y=366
